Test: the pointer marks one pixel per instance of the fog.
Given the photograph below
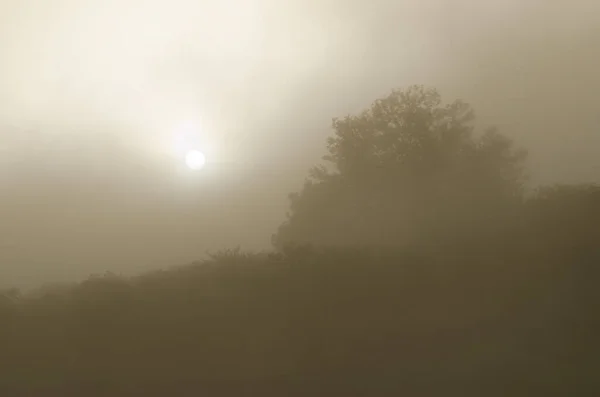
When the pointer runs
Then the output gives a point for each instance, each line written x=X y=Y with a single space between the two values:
x=94 y=94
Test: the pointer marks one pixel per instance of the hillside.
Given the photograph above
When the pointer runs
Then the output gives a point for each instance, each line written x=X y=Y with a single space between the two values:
x=312 y=322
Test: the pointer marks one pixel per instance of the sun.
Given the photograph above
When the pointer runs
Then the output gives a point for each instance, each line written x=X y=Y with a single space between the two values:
x=190 y=144
x=195 y=159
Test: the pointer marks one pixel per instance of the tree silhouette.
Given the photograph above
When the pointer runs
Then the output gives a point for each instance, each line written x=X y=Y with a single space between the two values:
x=406 y=170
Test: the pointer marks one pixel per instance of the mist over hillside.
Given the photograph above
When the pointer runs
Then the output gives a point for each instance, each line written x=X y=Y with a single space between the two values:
x=110 y=100
x=335 y=198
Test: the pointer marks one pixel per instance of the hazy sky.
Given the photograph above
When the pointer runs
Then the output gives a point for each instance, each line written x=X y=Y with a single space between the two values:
x=261 y=80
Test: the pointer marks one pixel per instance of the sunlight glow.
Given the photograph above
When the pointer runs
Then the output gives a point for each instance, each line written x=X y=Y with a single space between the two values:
x=190 y=143
x=195 y=159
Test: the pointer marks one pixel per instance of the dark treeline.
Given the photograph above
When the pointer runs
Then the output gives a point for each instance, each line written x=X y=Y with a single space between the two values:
x=419 y=263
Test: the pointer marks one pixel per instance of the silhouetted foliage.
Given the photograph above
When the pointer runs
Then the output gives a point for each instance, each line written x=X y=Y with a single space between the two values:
x=408 y=170
x=323 y=322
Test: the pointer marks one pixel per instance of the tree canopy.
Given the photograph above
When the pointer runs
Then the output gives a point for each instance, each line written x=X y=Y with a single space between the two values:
x=405 y=170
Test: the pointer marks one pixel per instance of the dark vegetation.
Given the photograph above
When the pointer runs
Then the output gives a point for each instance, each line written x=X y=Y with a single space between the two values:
x=419 y=264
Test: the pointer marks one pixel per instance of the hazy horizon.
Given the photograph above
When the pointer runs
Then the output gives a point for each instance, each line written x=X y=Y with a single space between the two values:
x=94 y=94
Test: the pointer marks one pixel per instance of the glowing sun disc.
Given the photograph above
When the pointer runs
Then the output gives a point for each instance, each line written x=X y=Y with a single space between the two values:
x=195 y=159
